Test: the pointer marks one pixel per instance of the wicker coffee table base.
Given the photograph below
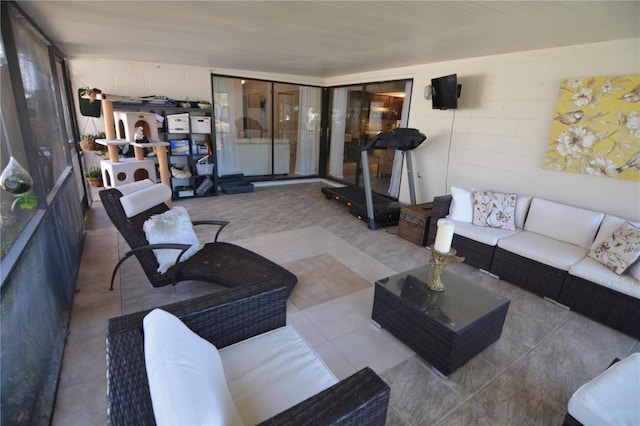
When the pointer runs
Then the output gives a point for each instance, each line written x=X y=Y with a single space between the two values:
x=443 y=348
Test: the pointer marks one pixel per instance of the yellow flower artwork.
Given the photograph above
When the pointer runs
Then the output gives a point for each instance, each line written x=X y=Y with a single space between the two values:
x=596 y=127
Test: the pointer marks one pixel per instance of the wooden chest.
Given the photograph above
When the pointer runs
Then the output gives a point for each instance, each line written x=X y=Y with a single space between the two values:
x=414 y=223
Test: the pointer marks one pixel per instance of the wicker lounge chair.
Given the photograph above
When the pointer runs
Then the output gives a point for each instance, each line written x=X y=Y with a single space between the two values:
x=217 y=262
x=224 y=318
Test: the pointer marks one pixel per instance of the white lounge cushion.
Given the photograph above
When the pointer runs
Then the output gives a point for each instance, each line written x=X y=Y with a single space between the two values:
x=481 y=234
x=272 y=372
x=612 y=398
x=145 y=197
x=548 y=251
x=562 y=222
x=594 y=271
x=186 y=377
x=172 y=226
x=128 y=188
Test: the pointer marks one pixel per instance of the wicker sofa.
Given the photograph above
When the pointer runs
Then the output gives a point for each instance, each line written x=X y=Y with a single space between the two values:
x=547 y=255
x=225 y=318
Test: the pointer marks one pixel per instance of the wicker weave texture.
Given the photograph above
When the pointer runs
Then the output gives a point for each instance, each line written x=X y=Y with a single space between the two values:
x=441 y=347
x=414 y=223
x=217 y=262
x=225 y=318
x=538 y=278
x=612 y=308
x=569 y=420
x=440 y=209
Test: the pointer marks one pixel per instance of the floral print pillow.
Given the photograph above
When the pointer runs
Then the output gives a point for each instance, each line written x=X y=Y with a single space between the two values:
x=620 y=250
x=494 y=209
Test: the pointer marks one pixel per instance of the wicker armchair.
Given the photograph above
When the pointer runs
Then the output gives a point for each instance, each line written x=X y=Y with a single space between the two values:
x=224 y=318
x=217 y=262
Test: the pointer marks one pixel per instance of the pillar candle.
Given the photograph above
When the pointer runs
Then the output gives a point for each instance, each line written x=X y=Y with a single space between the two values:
x=444 y=236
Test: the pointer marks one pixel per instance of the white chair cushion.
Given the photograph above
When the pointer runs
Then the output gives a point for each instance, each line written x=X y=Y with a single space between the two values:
x=272 y=372
x=461 y=208
x=135 y=202
x=482 y=234
x=594 y=271
x=172 y=226
x=186 y=377
x=128 y=188
x=548 y=251
x=562 y=222
x=612 y=398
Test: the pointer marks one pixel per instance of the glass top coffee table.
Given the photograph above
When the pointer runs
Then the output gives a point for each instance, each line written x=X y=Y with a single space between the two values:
x=445 y=328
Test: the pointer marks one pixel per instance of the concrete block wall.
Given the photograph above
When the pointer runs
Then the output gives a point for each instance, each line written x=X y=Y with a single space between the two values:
x=495 y=140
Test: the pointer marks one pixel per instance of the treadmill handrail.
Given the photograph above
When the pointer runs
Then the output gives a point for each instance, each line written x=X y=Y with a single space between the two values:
x=402 y=139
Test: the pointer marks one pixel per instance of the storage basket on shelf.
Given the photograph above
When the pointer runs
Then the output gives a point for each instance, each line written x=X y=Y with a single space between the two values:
x=203 y=167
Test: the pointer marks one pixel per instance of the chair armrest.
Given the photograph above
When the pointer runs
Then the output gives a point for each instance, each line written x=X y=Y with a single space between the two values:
x=222 y=318
x=220 y=223
x=360 y=399
x=440 y=209
x=148 y=247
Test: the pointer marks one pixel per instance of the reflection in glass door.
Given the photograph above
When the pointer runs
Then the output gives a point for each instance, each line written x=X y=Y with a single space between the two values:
x=358 y=113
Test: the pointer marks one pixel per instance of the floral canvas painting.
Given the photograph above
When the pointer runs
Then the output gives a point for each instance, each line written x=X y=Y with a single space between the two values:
x=596 y=127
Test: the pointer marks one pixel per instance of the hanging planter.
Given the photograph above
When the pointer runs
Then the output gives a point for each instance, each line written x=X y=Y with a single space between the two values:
x=88 y=142
x=94 y=177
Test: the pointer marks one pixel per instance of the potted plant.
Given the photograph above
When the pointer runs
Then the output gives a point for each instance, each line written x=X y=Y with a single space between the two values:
x=94 y=177
x=88 y=142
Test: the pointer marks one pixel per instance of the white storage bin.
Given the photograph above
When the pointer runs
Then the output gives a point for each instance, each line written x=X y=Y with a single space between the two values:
x=178 y=123
x=200 y=124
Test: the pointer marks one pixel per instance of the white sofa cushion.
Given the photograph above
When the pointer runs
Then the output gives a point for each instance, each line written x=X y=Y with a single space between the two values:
x=481 y=234
x=594 y=271
x=612 y=398
x=522 y=208
x=548 y=251
x=172 y=226
x=186 y=377
x=562 y=222
x=144 y=197
x=494 y=209
x=461 y=208
x=272 y=372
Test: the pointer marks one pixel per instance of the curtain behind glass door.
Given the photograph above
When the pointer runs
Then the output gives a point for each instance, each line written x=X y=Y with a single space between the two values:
x=359 y=113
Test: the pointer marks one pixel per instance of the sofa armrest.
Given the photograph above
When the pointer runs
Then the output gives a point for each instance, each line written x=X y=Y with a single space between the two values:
x=440 y=209
x=222 y=318
x=362 y=398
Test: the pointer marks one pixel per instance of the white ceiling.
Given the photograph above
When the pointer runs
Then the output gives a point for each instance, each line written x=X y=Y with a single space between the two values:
x=324 y=39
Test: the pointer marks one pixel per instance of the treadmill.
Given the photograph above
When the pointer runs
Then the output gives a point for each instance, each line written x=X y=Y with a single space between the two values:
x=374 y=209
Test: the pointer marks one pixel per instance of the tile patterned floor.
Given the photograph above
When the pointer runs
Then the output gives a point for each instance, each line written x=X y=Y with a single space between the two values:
x=526 y=377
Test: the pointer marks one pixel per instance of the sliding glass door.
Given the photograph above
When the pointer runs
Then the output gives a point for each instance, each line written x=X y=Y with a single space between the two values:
x=266 y=129
x=358 y=113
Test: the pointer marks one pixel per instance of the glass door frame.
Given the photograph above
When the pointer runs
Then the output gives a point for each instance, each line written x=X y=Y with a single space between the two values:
x=359 y=120
x=272 y=126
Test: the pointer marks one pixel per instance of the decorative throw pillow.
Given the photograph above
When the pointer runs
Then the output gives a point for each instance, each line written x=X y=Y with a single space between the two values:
x=172 y=226
x=620 y=250
x=461 y=208
x=494 y=209
x=187 y=382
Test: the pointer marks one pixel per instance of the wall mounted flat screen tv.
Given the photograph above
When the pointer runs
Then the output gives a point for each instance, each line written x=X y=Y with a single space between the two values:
x=445 y=92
